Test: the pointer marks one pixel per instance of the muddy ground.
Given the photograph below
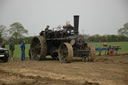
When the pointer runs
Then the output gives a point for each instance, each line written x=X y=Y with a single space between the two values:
x=106 y=70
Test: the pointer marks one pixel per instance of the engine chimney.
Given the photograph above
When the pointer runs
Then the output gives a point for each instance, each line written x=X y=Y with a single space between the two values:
x=76 y=24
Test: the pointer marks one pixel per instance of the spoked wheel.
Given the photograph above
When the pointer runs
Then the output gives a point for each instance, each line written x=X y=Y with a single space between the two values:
x=65 y=53
x=92 y=52
x=38 y=48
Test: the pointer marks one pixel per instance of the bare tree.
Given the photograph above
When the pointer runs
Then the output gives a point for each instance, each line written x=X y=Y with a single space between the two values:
x=3 y=33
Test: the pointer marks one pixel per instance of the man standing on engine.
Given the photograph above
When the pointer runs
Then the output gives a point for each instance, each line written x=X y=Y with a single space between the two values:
x=46 y=30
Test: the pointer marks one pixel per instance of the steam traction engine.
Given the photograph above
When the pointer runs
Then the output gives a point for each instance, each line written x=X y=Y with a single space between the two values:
x=62 y=44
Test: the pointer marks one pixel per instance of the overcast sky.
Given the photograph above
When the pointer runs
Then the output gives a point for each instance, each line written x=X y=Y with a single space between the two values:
x=96 y=16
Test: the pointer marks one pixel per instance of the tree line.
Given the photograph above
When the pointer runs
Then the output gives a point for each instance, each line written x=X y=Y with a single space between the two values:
x=16 y=32
x=122 y=36
x=107 y=38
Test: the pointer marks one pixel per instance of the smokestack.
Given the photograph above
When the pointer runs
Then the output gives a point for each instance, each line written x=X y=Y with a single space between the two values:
x=76 y=24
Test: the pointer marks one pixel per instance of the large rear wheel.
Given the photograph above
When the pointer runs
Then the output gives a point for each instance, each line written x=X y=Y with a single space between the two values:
x=65 y=53
x=38 y=48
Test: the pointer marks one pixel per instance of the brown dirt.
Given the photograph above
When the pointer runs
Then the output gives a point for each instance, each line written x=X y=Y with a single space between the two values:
x=105 y=70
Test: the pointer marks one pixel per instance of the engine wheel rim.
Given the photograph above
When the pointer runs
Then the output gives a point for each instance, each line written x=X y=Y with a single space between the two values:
x=65 y=53
x=92 y=52
x=36 y=49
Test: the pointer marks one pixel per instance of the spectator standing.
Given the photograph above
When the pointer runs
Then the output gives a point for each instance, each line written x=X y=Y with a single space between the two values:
x=11 y=48
x=23 y=50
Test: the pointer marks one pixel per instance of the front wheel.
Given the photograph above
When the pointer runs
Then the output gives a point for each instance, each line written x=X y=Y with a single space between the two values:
x=5 y=59
x=65 y=53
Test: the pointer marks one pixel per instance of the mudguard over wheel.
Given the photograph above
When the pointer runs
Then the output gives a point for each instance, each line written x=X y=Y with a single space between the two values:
x=65 y=53
x=38 y=48
x=92 y=52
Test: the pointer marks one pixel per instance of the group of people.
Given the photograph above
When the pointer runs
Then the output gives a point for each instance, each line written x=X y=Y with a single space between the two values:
x=12 y=48
x=59 y=32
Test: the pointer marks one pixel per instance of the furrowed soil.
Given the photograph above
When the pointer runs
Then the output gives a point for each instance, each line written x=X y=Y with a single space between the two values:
x=105 y=70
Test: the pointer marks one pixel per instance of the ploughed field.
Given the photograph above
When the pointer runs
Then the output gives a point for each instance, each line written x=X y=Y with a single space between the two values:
x=105 y=70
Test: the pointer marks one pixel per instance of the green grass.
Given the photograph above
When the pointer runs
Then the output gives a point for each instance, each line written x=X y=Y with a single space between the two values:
x=17 y=52
x=123 y=45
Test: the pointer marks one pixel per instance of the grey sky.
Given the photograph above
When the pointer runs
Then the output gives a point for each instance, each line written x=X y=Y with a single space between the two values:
x=96 y=16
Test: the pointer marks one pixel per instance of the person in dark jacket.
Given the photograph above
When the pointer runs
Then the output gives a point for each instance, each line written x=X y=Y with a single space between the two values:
x=11 y=48
x=23 y=50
